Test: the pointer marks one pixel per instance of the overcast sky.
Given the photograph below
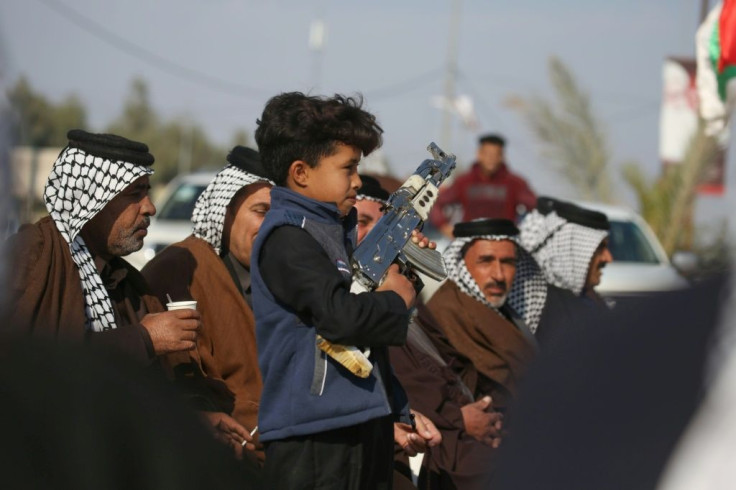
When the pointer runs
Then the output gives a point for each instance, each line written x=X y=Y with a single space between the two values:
x=222 y=59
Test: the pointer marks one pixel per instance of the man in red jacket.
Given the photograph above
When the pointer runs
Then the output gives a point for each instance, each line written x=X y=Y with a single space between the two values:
x=488 y=190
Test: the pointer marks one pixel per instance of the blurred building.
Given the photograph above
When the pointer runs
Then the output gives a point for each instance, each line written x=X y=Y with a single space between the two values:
x=30 y=168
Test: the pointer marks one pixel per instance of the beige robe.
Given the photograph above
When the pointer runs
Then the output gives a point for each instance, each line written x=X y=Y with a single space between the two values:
x=226 y=347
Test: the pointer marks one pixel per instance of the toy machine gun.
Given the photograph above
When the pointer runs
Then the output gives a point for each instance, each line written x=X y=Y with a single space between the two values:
x=389 y=242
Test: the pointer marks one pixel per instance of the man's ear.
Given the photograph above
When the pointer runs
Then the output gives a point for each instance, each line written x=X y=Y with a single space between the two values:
x=299 y=173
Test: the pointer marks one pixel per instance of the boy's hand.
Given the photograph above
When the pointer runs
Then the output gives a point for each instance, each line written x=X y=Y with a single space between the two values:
x=421 y=240
x=398 y=283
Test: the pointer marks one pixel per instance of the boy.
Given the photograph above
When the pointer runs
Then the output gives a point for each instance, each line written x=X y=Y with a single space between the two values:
x=322 y=426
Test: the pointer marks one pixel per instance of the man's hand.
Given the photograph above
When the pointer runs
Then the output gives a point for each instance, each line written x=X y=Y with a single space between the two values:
x=414 y=442
x=421 y=240
x=482 y=422
x=398 y=283
x=228 y=431
x=172 y=331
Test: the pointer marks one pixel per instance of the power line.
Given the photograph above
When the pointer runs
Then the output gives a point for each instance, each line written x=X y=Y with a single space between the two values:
x=214 y=83
x=634 y=113
x=158 y=61
x=400 y=88
x=507 y=81
x=480 y=100
x=485 y=106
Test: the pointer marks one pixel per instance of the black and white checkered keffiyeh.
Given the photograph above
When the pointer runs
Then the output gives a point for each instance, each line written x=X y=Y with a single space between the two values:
x=562 y=249
x=528 y=292
x=364 y=197
x=79 y=186
x=208 y=217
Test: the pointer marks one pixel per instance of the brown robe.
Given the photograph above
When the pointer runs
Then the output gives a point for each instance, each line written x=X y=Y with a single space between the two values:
x=497 y=348
x=46 y=297
x=226 y=346
x=434 y=387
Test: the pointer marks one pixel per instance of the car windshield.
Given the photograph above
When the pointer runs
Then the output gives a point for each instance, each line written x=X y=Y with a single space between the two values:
x=628 y=243
x=181 y=203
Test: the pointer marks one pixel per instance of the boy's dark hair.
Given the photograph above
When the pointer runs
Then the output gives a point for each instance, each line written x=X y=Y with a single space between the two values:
x=295 y=126
x=492 y=139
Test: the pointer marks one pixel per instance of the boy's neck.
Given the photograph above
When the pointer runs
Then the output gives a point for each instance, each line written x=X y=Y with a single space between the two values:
x=330 y=207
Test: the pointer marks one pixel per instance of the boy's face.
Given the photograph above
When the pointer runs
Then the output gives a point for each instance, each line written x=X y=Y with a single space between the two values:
x=335 y=178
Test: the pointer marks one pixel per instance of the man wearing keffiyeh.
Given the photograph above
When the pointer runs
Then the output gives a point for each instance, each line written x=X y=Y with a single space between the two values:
x=570 y=244
x=212 y=266
x=68 y=280
x=474 y=306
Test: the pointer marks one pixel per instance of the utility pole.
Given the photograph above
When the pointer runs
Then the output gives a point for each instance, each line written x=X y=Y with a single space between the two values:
x=317 y=41
x=186 y=146
x=450 y=74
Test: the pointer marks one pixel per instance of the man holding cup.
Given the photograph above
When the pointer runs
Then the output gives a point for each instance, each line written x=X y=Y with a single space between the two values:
x=68 y=280
x=212 y=267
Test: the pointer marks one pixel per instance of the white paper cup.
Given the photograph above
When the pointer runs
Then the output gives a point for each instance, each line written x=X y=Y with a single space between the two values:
x=181 y=305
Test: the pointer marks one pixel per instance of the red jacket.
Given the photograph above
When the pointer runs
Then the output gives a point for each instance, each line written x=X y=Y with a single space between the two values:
x=482 y=196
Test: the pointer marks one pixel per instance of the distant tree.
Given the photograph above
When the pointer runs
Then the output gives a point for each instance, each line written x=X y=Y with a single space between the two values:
x=571 y=136
x=573 y=139
x=179 y=145
x=39 y=122
x=667 y=202
x=69 y=114
x=138 y=118
x=241 y=137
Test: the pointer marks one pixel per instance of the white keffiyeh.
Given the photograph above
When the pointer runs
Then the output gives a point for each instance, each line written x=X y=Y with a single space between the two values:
x=365 y=197
x=210 y=209
x=528 y=292
x=80 y=185
x=562 y=249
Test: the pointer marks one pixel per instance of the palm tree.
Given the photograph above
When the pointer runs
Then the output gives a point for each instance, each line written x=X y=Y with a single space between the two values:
x=571 y=136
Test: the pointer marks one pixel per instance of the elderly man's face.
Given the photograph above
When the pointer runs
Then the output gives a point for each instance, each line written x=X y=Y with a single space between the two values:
x=120 y=227
x=601 y=258
x=492 y=263
x=244 y=218
x=369 y=212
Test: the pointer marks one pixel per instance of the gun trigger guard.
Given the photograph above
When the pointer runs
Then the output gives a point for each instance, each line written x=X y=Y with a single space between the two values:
x=414 y=278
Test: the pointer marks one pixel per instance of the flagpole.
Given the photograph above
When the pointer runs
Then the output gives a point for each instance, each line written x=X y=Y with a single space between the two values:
x=704 y=8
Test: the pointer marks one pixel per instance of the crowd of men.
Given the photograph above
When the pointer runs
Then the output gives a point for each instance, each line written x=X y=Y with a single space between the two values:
x=268 y=264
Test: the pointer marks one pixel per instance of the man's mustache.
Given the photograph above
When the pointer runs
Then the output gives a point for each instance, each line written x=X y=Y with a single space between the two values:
x=496 y=285
x=145 y=223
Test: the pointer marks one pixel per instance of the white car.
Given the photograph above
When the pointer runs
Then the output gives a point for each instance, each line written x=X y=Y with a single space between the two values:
x=173 y=212
x=640 y=264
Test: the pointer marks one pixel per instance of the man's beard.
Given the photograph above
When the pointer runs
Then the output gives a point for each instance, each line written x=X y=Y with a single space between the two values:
x=495 y=300
x=498 y=301
x=127 y=244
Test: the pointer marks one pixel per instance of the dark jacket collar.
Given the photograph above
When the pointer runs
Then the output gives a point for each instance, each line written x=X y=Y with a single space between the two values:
x=320 y=211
